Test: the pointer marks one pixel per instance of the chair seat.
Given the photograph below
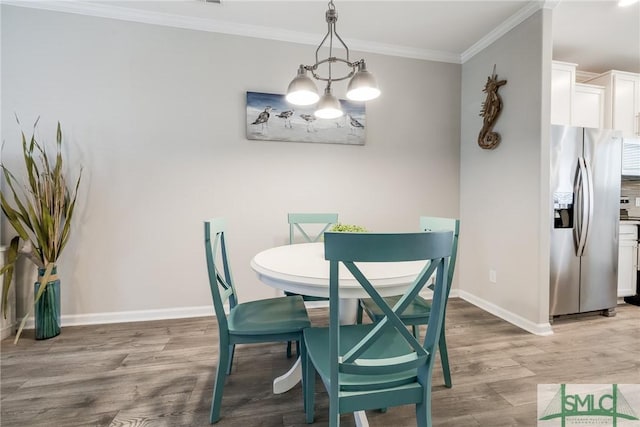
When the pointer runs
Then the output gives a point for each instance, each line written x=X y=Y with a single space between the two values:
x=418 y=308
x=269 y=316
x=391 y=344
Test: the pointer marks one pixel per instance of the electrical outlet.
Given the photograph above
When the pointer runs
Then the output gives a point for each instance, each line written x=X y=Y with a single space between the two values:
x=638 y=202
x=492 y=276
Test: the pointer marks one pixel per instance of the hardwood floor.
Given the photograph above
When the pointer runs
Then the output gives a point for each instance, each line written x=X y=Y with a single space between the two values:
x=161 y=373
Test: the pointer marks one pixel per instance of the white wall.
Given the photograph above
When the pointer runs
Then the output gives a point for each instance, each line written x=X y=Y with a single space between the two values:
x=504 y=192
x=156 y=117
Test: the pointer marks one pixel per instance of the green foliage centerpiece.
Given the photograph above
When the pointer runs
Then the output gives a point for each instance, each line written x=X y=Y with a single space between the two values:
x=40 y=212
x=348 y=228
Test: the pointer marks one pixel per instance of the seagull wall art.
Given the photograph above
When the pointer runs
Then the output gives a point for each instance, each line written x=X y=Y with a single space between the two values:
x=263 y=119
x=286 y=116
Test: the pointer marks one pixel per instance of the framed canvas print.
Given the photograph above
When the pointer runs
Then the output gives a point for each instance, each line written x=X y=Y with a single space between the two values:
x=271 y=118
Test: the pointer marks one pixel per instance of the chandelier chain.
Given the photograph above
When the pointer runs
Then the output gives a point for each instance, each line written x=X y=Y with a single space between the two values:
x=331 y=18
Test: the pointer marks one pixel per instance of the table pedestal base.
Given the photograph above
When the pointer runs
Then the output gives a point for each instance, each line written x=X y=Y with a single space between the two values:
x=360 y=418
x=288 y=380
x=348 y=309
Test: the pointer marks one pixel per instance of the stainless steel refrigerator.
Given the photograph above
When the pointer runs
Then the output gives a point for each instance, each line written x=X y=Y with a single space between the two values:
x=585 y=186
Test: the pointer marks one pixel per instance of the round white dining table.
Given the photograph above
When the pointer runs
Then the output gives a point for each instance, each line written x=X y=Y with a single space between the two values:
x=302 y=269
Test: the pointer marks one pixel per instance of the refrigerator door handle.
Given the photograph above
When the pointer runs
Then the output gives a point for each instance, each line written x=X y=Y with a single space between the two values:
x=582 y=205
x=588 y=203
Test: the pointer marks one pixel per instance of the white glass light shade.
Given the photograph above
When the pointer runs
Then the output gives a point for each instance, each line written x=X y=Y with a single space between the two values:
x=328 y=107
x=625 y=3
x=362 y=86
x=302 y=90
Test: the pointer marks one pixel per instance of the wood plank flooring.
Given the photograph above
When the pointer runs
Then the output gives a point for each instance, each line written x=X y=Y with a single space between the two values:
x=161 y=373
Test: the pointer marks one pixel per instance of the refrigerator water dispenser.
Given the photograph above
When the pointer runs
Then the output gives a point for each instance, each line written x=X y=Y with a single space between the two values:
x=562 y=210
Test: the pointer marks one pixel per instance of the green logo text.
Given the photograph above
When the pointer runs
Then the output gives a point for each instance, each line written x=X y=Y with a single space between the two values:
x=612 y=405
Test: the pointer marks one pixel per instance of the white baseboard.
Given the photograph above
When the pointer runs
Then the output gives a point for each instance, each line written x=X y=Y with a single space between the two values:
x=162 y=314
x=542 y=329
x=137 y=316
x=6 y=331
x=146 y=315
x=134 y=316
x=129 y=316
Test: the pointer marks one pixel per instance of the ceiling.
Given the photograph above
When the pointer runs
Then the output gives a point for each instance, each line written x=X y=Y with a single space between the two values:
x=597 y=35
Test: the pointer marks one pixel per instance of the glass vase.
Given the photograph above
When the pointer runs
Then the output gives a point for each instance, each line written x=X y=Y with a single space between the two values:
x=47 y=310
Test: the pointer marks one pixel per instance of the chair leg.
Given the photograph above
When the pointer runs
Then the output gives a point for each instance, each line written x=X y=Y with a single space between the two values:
x=232 y=349
x=423 y=409
x=308 y=384
x=444 y=358
x=298 y=348
x=416 y=331
x=359 y=314
x=334 y=416
x=334 y=410
x=288 y=349
x=218 y=385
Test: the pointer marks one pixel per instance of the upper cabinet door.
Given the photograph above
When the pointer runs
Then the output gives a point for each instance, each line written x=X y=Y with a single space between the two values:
x=622 y=101
x=588 y=102
x=625 y=103
x=574 y=104
x=563 y=78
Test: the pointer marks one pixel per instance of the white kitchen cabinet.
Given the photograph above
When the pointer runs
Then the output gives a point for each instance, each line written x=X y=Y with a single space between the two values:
x=621 y=101
x=588 y=102
x=574 y=104
x=563 y=80
x=627 y=260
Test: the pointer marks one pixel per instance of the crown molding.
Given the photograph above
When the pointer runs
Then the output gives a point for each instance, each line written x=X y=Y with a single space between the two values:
x=585 y=76
x=396 y=50
x=103 y=10
x=209 y=25
x=513 y=21
x=550 y=4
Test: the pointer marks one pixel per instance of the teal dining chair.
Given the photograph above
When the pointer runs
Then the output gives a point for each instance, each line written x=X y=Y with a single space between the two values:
x=270 y=320
x=299 y=222
x=377 y=365
x=308 y=228
x=419 y=311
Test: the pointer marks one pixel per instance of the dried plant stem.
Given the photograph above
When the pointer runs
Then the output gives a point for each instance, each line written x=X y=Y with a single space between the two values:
x=40 y=211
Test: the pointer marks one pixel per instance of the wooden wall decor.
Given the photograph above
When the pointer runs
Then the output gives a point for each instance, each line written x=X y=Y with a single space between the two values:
x=491 y=108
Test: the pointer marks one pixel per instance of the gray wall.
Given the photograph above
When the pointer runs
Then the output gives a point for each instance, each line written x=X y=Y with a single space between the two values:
x=156 y=116
x=504 y=192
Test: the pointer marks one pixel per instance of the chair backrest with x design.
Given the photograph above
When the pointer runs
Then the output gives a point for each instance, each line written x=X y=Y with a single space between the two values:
x=297 y=222
x=428 y=223
x=373 y=355
x=220 y=279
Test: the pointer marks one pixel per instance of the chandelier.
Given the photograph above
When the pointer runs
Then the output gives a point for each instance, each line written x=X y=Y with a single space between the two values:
x=303 y=91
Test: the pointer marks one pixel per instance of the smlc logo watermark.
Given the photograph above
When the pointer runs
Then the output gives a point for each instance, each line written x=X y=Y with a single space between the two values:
x=563 y=405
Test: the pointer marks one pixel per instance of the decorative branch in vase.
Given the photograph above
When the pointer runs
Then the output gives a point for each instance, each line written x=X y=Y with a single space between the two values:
x=40 y=211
